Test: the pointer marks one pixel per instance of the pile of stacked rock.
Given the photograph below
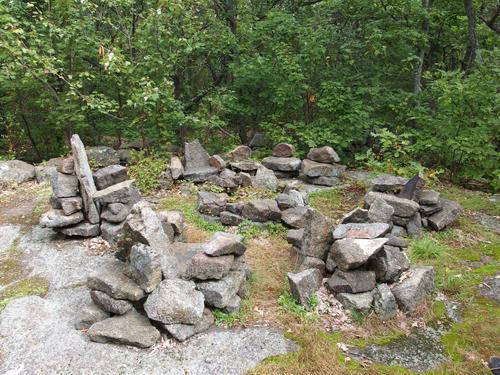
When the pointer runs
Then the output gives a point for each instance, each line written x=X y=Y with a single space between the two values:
x=160 y=285
x=283 y=162
x=320 y=167
x=363 y=258
x=85 y=203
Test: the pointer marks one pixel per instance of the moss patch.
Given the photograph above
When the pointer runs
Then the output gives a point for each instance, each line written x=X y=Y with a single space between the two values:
x=32 y=286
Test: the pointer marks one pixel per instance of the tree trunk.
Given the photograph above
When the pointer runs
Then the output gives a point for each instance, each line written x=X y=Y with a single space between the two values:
x=417 y=78
x=472 y=43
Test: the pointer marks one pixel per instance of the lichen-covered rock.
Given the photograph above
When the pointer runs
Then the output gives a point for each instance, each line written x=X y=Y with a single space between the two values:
x=181 y=332
x=304 y=284
x=388 y=183
x=429 y=198
x=211 y=203
x=410 y=292
x=283 y=150
x=324 y=181
x=110 y=304
x=217 y=162
x=389 y=263
x=176 y=167
x=325 y=154
x=361 y=230
x=294 y=217
x=116 y=212
x=358 y=215
x=380 y=212
x=16 y=171
x=402 y=207
x=204 y=267
x=84 y=229
x=223 y=243
x=314 y=169
x=290 y=200
x=175 y=301
x=414 y=226
x=449 y=213
x=197 y=167
x=241 y=152
x=265 y=179
x=111 y=231
x=311 y=262
x=351 y=253
x=261 y=210
x=294 y=237
x=57 y=219
x=110 y=175
x=144 y=267
x=384 y=303
x=356 y=281
x=129 y=329
x=102 y=156
x=359 y=302
x=123 y=192
x=317 y=237
x=64 y=185
x=282 y=164
x=70 y=205
x=228 y=218
x=218 y=293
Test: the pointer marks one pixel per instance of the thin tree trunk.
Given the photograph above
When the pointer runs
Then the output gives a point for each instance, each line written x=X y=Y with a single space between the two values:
x=417 y=79
x=472 y=43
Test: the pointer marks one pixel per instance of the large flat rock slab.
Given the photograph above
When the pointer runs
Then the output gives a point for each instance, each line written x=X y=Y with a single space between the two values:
x=8 y=234
x=37 y=336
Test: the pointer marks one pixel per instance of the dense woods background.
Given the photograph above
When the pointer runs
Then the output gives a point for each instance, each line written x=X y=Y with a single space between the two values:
x=389 y=83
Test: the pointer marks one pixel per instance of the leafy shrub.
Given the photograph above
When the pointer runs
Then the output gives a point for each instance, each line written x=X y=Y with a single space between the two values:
x=146 y=169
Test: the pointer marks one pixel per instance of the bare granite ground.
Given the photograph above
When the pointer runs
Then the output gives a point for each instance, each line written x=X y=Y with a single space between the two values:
x=38 y=335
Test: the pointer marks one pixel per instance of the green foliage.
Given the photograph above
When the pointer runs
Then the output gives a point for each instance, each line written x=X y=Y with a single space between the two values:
x=426 y=248
x=249 y=229
x=146 y=169
x=289 y=304
x=228 y=320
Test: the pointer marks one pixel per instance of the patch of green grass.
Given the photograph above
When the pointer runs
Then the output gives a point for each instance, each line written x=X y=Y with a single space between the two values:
x=249 y=230
x=289 y=304
x=26 y=287
x=358 y=316
x=471 y=200
x=328 y=202
x=426 y=248
x=227 y=320
x=187 y=205
x=277 y=230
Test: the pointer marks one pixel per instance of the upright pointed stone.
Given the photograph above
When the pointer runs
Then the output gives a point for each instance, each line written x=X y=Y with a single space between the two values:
x=84 y=174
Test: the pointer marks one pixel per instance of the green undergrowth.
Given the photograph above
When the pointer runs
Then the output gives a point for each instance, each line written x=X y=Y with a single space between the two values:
x=290 y=305
x=249 y=230
x=336 y=202
x=37 y=286
x=471 y=200
x=187 y=205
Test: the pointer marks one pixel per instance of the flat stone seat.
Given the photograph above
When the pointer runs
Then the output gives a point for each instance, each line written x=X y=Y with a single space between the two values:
x=200 y=174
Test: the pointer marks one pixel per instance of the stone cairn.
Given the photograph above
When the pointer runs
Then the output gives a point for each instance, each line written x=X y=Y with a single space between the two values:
x=158 y=282
x=86 y=204
x=363 y=258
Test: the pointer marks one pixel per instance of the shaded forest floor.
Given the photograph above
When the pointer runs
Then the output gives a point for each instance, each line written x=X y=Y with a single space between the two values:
x=465 y=256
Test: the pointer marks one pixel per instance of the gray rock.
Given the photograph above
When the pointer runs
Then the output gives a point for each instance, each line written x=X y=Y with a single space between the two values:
x=324 y=181
x=123 y=192
x=317 y=237
x=360 y=302
x=324 y=154
x=389 y=263
x=311 y=262
x=330 y=263
x=175 y=219
x=116 y=212
x=304 y=284
x=294 y=217
x=144 y=267
x=258 y=140
x=102 y=156
x=66 y=166
x=396 y=241
x=234 y=305
x=227 y=173
x=57 y=219
x=204 y=267
x=429 y=197
x=282 y=164
x=228 y=218
x=16 y=171
x=350 y=253
x=211 y=203
x=197 y=161
x=245 y=180
x=355 y=230
x=401 y=221
x=129 y=329
x=352 y=281
x=110 y=175
x=402 y=207
x=261 y=210
x=241 y=152
x=226 y=183
x=240 y=264
x=144 y=226
x=314 y=169
x=112 y=281
x=84 y=229
x=290 y=200
x=384 y=303
x=294 y=237
x=490 y=287
x=398 y=231
x=181 y=332
x=71 y=205
x=109 y=304
x=87 y=184
x=64 y=185
x=111 y=231
x=410 y=292
x=265 y=179
x=223 y=243
x=449 y=213
x=87 y=315
x=165 y=180
x=176 y=168
x=414 y=226
x=54 y=202
x=124 y=155
x=175 y=301
x=249 y=166
x=380 y=212
x=283 y=150
x=44 y=173
x=217 y=162
x=388 y=183
x=358 y=215
x=218 y=293
x=429 y=210
x=413 y=188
